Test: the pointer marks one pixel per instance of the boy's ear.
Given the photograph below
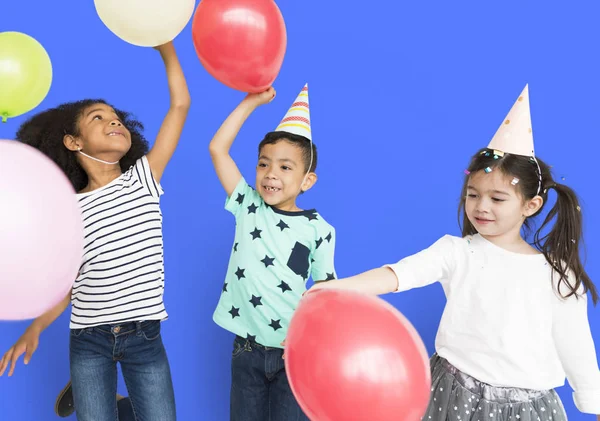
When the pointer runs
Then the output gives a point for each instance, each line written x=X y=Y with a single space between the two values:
x=309 y=180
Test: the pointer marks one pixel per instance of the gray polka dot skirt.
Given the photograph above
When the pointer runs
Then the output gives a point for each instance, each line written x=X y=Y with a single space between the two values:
x=456 y=396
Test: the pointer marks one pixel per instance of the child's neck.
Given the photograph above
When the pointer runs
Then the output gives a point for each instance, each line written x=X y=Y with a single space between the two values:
x=100 y=178
x=289 y=206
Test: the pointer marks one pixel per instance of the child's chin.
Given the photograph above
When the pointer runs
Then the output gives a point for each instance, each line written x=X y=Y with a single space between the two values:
x=271 y=201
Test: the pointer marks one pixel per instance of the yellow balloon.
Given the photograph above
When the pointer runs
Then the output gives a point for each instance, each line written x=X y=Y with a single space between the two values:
x=25 y=74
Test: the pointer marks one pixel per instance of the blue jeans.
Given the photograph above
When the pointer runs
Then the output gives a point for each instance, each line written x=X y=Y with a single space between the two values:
x=138 y=347
x=259 y=386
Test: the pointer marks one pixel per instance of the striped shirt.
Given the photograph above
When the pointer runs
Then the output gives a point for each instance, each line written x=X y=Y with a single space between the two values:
x=121 y=277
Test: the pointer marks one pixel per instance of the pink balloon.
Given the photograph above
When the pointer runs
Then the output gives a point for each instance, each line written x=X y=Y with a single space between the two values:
x=41 y=232
x=354 y=357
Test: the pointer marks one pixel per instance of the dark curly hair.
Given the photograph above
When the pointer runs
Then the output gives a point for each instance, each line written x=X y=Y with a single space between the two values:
x=45 y=131
x=562 y=244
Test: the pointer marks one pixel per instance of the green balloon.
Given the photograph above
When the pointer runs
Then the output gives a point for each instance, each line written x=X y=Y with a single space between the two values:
x=25 y=74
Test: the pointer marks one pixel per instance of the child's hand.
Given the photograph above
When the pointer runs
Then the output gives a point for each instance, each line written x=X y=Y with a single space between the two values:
x=262 y=97
x=27 y=344
x=283 y=355
x=164 y=47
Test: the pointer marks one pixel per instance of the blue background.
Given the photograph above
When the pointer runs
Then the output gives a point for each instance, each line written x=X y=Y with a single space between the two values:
x=402 y=93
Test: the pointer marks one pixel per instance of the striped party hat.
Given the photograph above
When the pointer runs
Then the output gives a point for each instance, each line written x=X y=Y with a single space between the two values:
x=297 y=119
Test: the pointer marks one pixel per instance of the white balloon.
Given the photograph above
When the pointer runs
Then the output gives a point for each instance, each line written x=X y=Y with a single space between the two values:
x=145 y=23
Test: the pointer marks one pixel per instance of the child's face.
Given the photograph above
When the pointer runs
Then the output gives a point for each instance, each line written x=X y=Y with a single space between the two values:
x=494 y=206
x=280 y=173
x=102 y=133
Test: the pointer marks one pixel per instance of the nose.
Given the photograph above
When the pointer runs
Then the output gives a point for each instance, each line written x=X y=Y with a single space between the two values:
x=116 y=123
x=482 y=205
x=271 y=173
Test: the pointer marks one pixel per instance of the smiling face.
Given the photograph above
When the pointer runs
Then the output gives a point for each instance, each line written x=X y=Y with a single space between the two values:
x=281 y=174
x=102 y=133
x=494 y=206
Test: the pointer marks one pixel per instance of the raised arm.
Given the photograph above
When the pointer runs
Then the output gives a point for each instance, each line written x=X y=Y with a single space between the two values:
x=172 y=126
x=219 y=147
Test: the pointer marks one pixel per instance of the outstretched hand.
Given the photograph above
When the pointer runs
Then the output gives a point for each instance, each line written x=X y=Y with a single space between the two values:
x=27 y=344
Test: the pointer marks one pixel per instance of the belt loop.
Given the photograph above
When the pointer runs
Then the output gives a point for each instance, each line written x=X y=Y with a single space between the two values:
x=138 y=327
x=248 y=345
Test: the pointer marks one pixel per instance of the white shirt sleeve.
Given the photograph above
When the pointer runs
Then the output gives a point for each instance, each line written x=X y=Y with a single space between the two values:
x=435 y=263
x=575 y=348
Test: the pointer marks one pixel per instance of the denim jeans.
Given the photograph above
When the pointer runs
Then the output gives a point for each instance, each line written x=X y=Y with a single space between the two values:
x=138 y=347
x=259 y=386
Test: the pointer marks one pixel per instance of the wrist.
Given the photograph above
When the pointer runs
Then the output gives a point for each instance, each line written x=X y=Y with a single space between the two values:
x=249 y=104
x=36 y=328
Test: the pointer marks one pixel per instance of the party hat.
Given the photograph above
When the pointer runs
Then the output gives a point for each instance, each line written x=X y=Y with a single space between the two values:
x=514 y=135
x=297 y=119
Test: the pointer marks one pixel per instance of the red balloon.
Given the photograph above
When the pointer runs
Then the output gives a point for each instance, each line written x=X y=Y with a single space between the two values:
x=241 y=43
x=349 y=356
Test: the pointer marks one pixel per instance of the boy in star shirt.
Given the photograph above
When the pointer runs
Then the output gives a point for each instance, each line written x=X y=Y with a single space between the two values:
x=277 y=247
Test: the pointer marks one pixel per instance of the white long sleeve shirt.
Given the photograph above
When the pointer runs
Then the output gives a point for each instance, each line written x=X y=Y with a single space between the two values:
x=504 y=322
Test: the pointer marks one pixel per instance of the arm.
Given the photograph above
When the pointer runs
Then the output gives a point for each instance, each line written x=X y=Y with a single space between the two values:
x=219 y=147
x=373 y=282
x=575 y=347
x=28 y=342
x=436 y=263
x=172 y=126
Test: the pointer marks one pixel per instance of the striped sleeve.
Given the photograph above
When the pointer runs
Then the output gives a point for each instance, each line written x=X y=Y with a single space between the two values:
x=144 y=174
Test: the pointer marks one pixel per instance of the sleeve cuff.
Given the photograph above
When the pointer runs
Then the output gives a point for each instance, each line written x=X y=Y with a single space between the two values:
x=587 y=401
x=394 y=267
x=233 y=202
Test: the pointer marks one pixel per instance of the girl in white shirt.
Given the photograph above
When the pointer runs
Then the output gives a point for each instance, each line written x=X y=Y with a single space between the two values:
x=515 y=321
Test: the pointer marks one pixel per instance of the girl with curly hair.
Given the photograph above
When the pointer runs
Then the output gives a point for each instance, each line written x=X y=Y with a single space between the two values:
x=117 y=296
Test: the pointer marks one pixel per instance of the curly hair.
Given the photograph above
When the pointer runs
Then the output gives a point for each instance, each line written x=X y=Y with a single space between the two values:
x=45 y=131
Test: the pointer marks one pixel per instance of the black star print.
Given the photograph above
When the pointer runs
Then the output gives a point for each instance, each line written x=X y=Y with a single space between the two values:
x=235 y=312
x=275 y=324
x=311 y=216
x=252 y=208
x=268 y=261
x=312 y=260
x=282 y=225
x=225 y=287
x=251 y=338
x=240 y=198
x=319 y=242
x=256 y=233
x=284 y=287
x=328 y=238
x=240 y=273
x=256 y=301
x=330 y=276
x=235 y=246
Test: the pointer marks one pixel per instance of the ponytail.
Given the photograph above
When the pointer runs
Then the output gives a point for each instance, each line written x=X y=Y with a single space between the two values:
x=561 y=246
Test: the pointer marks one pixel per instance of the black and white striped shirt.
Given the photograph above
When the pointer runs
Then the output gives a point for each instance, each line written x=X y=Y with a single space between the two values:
x=121 y=277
